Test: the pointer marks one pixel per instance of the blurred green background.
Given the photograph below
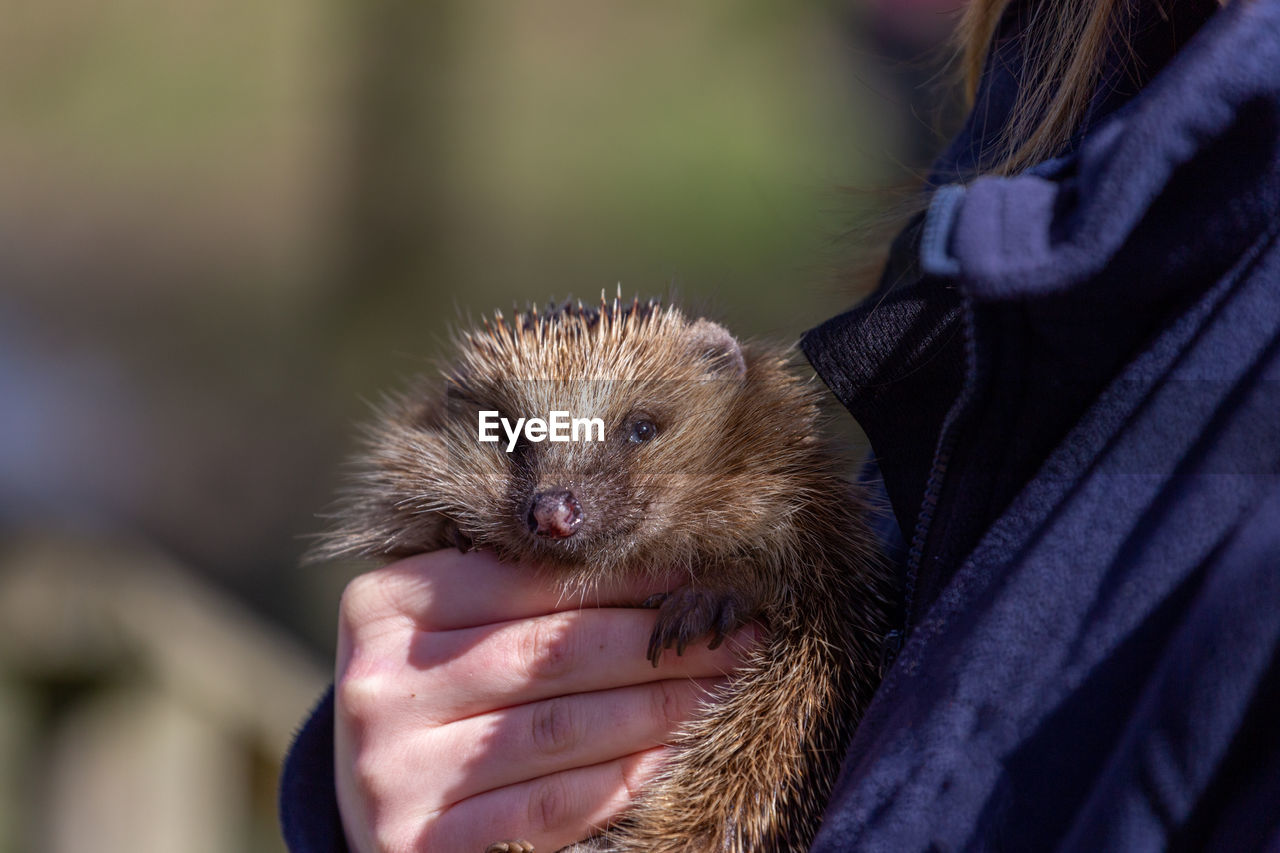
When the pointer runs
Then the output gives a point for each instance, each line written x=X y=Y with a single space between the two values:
x=223 y=226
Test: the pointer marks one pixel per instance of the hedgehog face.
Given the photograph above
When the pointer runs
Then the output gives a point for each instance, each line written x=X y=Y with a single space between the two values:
x=696 y=450
x=620 y=492
x=644 y=390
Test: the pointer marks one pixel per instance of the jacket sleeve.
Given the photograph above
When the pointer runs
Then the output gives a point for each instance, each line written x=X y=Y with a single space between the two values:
x=308 y=799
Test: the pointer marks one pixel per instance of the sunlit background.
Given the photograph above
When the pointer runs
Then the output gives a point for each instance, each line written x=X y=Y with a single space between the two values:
x=224 y=225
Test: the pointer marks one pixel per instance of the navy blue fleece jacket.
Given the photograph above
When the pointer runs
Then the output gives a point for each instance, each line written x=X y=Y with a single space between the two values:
x=1069 y=380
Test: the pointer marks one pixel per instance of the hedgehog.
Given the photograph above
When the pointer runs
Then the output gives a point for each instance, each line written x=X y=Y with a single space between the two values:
x=707 y=456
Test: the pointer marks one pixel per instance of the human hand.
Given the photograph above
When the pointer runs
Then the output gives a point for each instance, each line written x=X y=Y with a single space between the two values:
x=475 y=704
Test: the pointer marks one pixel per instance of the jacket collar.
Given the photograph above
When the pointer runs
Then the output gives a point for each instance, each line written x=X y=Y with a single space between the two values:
x=1205 y=128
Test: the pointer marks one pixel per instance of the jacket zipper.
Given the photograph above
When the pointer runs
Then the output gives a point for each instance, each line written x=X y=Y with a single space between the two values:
x=947 y=437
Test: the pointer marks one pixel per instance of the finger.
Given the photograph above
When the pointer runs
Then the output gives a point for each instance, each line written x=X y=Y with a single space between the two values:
x=576 y=651
x=447 y=589
x=552 y=812
x=513 y=745
x=438 y=767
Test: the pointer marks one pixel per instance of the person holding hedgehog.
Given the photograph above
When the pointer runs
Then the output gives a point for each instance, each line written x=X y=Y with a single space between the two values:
x=1068 y=380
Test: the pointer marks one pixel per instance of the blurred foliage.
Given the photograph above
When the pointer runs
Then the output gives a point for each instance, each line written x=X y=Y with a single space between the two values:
x=223 y=225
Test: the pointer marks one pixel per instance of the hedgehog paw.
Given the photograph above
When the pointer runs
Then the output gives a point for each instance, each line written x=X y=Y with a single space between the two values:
x=688 y=614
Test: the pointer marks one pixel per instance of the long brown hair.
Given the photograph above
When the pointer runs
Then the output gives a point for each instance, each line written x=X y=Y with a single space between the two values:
x=1065 y=49
x=1066 y=44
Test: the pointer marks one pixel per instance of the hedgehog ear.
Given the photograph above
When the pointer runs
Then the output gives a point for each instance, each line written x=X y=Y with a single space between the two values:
x=713 y=343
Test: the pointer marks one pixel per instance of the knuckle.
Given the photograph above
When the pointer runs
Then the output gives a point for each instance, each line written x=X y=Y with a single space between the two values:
x=666 y=708
x=550 y=804
x=548 y=649
x=365 y=772
x=435 y=835
x=363 y=598
x=359 y=697
x=554 y=727
x=397 y=837
x=392 y=828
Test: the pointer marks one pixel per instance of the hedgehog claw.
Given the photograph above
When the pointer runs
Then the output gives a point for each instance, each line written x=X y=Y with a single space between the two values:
x=654 y=601
x=686 y=615
x=726 y=620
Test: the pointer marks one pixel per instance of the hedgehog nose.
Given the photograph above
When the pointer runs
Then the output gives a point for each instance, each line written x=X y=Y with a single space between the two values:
x=555 y=514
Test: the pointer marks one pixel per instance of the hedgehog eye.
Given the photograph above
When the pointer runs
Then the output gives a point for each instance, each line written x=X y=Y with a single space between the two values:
x=642 y=430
